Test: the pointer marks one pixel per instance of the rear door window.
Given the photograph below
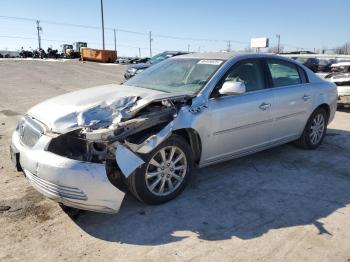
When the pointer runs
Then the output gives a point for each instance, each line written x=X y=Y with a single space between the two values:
x=283 y=73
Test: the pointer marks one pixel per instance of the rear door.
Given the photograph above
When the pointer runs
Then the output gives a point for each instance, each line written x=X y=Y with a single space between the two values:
x=292 y=99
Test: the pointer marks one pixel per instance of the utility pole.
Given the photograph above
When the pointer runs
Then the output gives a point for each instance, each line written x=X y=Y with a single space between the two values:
x=229 y=46
x=188 y=48
x=103 y=27
x=150 y=43
x=115 y=40
x=279 y=42
x=39 y=29
x=139 y=52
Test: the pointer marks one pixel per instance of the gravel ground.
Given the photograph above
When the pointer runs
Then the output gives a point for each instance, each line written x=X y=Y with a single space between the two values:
x=281 y=204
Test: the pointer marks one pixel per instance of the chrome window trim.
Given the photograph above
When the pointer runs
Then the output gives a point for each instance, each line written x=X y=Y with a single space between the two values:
x=211 y=84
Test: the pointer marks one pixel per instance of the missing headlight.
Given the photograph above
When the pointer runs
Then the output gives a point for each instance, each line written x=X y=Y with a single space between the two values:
x=72 y=146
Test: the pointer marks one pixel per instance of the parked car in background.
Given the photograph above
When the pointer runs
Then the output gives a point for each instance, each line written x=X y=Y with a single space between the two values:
x=123 y=60
x=340 y=76
x=309 y=62
x=83 y=149
x=133 y=60
x=138 y=68
x=324 y=65
x=138 y=60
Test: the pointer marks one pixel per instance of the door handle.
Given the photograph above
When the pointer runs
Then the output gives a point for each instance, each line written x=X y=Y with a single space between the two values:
x=265 y=106
x=306 y=97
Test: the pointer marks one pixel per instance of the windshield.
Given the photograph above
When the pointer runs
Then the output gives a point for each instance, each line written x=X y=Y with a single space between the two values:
x=159 y=58
x=177 y=75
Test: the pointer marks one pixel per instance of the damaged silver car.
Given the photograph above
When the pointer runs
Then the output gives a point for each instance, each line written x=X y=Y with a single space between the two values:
x=85 y=149
x=340 y=76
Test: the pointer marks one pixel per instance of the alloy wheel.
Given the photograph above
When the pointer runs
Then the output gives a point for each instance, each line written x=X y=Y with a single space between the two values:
x=317 y=129
x=166 y=170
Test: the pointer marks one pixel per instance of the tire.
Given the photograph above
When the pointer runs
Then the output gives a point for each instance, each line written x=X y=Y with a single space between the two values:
x=307 y=139
x=140 y=183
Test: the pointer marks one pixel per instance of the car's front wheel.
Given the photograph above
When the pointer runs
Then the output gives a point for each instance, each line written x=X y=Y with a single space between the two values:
x=314 y=131
x=165 y=173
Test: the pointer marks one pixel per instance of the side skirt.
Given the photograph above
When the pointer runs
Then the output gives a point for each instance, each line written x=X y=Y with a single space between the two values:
x=248 y=152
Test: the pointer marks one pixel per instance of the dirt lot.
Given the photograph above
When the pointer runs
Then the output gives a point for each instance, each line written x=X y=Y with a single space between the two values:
x=282 y=204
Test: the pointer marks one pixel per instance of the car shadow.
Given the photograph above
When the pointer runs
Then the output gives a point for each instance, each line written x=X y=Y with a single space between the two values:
x=244 y=198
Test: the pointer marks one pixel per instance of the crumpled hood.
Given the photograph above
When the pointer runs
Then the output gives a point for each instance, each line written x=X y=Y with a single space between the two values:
x=64 y=113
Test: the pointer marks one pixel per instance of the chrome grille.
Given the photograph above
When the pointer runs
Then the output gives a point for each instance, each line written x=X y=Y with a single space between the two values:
x=55 y=189
x=30 y=131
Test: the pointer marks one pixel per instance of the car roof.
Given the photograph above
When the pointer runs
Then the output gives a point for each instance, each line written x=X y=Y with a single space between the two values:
x=230 y=55
x=212 y=55
x=174 y=52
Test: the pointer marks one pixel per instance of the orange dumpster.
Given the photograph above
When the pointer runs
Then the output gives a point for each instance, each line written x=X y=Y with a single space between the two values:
x=97 y=55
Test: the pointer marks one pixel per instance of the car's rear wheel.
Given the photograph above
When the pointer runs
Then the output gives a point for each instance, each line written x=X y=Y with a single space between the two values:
x=165 y=173
x=314 y=131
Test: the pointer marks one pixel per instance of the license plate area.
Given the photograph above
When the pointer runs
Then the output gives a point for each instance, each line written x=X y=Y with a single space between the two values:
x=15 y=159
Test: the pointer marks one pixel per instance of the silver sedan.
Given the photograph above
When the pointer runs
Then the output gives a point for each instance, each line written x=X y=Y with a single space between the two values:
x=85 y=149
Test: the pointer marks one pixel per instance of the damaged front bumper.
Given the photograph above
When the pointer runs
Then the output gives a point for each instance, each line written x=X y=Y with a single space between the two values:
x=74 y=183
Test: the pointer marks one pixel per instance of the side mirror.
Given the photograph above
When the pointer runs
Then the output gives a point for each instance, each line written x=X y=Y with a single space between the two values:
x=232 y=88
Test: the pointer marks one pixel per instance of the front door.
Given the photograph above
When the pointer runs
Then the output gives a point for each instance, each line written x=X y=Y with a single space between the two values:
x=240 y=123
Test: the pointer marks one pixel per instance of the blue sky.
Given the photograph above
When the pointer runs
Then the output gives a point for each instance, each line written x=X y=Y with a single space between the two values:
x=301 y=23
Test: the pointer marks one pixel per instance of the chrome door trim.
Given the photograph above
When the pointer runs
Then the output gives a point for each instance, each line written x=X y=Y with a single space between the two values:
x=242 y=127
x=247 y=152
x=291 y=115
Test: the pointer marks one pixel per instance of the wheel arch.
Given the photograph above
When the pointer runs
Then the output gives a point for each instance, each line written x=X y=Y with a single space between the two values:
x=326 y=108
x=193 y=139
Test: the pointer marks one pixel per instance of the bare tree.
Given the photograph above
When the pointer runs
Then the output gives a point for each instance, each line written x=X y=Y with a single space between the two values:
x=345 y=49
x=341 y=50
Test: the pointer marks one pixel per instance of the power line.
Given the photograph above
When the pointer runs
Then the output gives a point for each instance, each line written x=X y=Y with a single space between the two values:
x=132 y=32
x=17 y=18
x=18 y=37
x=199 y=39
x=65 y=41
x=125 y=31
